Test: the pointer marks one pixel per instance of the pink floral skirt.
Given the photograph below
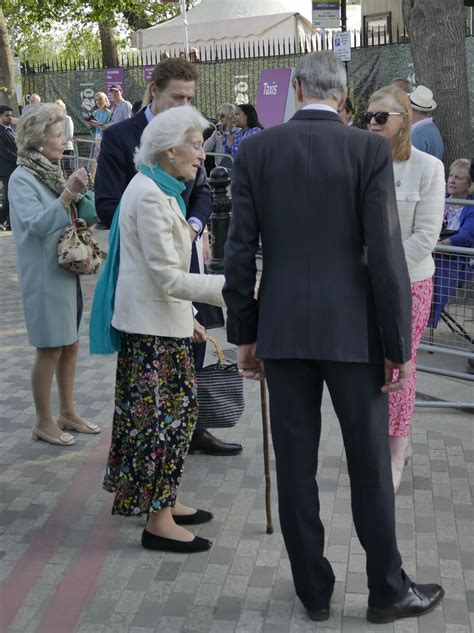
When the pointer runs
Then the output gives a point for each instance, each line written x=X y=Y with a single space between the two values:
x=402 y=403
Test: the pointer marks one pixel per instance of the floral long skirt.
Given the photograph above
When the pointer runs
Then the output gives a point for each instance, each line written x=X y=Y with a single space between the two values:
x=155 y=415
x=402 y=403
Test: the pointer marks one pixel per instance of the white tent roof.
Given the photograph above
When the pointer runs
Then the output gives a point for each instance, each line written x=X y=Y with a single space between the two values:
x=213 y=20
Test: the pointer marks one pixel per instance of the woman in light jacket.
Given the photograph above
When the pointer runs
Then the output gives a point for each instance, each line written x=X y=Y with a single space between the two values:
x=40 y=207
x=419 y=188
x=155 y=393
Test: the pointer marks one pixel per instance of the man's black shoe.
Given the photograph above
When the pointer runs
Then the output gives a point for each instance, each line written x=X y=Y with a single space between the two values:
x=204 y=442
x=418 y=600
x=319 y=615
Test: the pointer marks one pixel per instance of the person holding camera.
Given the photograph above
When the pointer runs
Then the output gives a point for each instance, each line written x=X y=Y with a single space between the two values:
x=99 y=119
x=214 y=143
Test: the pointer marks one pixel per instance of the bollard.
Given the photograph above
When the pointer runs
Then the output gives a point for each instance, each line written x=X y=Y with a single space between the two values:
x=219 y=182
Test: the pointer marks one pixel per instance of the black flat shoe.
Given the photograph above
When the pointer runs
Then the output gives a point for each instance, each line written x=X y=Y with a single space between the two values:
x=205 y=442
x=319 y=615
x=160 y=543
x=200 y=516
x=418 y=600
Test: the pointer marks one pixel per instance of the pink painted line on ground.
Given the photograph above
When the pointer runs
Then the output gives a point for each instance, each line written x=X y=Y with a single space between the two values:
x=76 y=588
x=24 y=575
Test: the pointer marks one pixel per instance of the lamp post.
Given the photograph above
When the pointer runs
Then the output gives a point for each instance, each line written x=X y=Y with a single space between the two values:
x=343 y=15
x=185 y=24
x=219 y=182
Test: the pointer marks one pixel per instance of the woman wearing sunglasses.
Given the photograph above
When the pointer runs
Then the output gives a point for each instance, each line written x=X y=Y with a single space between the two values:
x=419 y=189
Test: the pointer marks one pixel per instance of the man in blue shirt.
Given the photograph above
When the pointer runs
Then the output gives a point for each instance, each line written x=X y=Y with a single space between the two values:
x=425 y=135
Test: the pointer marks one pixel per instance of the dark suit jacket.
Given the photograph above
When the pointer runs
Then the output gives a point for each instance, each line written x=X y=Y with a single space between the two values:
x=319 y=192
x=115 y=169
x=8 y=153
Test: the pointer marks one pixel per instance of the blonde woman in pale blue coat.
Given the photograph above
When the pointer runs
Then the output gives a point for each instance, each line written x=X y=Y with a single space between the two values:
x=40 y=201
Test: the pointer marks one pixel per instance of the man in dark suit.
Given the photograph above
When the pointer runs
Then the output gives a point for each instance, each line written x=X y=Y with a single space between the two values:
x=173 y=84
x=8 y=157
x=333 y=307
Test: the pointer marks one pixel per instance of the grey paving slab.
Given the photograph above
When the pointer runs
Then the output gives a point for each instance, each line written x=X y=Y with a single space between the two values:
x=243 y=584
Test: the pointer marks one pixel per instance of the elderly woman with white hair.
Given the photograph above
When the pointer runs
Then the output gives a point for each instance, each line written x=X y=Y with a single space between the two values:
x=40 y=208
x=155 y=392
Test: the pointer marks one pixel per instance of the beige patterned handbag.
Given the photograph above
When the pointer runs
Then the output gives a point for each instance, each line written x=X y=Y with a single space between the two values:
x=77 y=249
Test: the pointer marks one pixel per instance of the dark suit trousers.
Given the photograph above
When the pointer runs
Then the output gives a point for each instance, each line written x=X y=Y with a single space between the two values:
x=296 y=388
x=5 y=211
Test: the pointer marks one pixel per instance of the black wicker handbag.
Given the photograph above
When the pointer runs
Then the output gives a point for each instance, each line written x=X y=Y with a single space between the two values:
x=220 y=392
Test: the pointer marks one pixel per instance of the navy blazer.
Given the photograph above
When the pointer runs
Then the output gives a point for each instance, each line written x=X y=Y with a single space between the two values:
x=335 y=282
x=8 y=154
x=115 y=169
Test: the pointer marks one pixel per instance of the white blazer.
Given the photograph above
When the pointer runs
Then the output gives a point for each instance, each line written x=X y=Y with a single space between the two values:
x=420 y=189
x=154 y=287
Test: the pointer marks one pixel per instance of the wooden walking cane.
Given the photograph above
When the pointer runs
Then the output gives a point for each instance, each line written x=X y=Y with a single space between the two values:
x=266 y=455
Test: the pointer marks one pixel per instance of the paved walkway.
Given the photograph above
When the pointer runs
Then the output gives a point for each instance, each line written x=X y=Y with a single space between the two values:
x=67 y=565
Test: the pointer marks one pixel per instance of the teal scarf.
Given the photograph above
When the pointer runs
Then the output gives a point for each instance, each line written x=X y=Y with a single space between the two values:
x=103 y=337
x=167 y=183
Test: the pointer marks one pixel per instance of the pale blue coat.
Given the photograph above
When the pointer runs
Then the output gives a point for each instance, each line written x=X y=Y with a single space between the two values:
x=51 y=295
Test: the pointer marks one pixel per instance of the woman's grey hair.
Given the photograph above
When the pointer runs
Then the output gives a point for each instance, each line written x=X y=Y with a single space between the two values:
x=322 y=76
x=168 y=130
x=33 y=126
x=227 y=109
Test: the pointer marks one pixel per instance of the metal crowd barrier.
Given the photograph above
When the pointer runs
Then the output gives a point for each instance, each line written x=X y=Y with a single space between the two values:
x=83 y=156
x=450 y=331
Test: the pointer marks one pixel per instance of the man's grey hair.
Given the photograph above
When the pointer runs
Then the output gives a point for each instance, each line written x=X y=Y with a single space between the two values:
x=34 y=125
x=168 y=130
x=322 y=76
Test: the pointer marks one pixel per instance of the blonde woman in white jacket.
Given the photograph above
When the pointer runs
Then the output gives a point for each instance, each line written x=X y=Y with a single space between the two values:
x=419 y=188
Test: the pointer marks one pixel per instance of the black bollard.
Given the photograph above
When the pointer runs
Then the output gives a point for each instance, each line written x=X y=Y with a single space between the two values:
x=219 y=182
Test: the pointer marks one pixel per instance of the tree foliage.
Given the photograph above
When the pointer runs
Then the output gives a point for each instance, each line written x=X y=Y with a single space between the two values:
x=38 y=26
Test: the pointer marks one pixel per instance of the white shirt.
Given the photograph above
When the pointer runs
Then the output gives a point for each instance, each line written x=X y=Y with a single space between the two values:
x=319 y=106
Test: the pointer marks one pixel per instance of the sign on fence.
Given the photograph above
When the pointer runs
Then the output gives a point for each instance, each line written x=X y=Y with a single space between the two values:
x=275 y=97
x=147 y=72
x=326 y=14
x=341 y=45
x=115 y=76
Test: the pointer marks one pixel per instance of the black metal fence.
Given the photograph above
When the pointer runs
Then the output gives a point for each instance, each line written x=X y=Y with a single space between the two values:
x=230 y=75
x=322 y=40
x=227 y=73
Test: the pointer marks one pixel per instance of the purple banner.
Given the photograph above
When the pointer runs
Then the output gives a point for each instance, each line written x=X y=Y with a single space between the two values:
x=115 y=76
x=147 y=71
x=272 y=95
